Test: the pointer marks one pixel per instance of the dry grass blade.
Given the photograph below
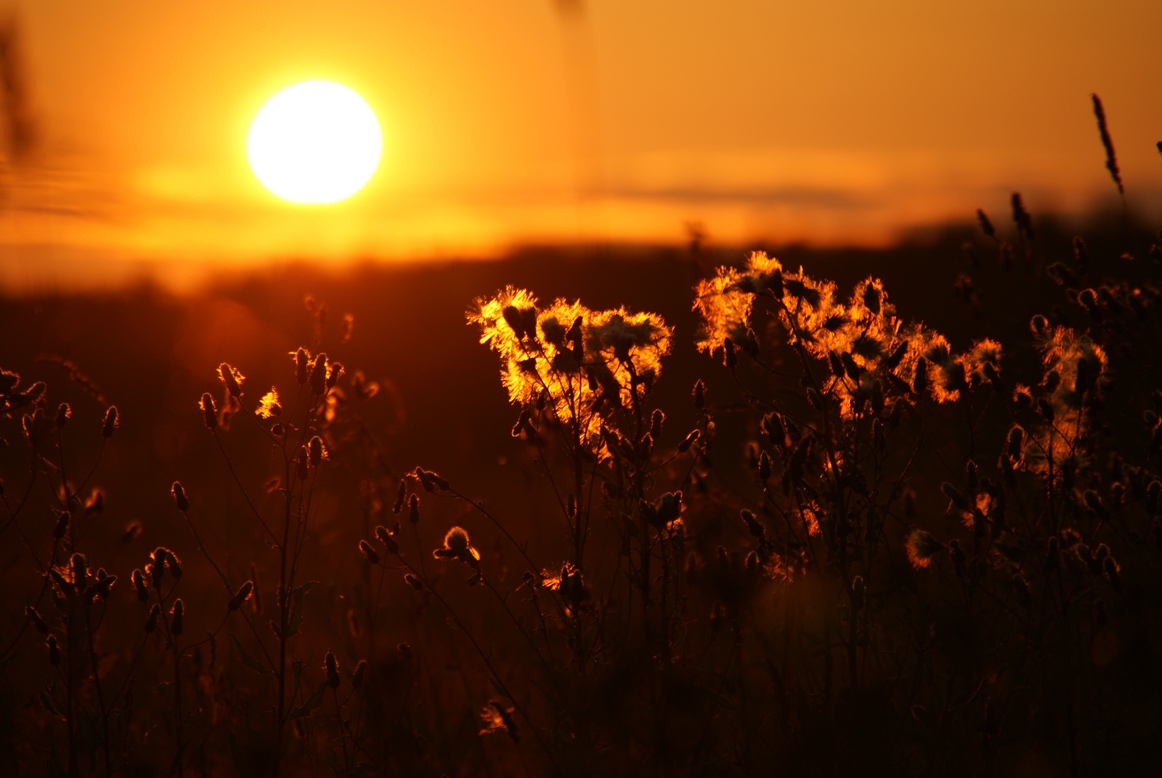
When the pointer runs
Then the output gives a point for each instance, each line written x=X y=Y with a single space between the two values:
x=1111 y=158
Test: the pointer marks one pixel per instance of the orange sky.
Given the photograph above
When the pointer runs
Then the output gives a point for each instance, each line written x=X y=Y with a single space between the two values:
x=510 y=121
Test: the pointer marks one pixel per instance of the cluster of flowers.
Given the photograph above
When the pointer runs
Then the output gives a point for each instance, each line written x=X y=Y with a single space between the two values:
x=584 y=367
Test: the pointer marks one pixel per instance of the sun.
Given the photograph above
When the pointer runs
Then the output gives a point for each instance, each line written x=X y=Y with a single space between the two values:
x=315 y=142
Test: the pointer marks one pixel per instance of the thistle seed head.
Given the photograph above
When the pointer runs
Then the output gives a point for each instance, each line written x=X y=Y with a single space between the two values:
x=231 y=379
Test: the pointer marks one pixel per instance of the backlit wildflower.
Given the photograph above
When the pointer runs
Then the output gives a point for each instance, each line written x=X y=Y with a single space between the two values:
x=922 y=548
x=497 y=717
x=269 y=405
x=1074 y=372
x=232 y=379
x=869 y=353
x=458 y=546
x=582 y=366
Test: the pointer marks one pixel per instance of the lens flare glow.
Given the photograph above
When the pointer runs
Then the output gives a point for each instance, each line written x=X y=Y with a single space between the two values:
x=315 y=142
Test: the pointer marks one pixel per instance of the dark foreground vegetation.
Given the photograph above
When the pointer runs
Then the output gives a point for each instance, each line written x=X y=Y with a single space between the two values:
x=893 y=513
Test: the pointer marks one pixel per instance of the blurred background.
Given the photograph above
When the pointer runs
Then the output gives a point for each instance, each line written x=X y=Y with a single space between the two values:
x=551 y=123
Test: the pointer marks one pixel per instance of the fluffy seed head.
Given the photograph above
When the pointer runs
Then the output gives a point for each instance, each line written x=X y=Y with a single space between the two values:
x=302 y=359
x=456 y=540
x=316 y=453
x=231 y=379
x=458 y=546
x=319 y=374
x=922 y=548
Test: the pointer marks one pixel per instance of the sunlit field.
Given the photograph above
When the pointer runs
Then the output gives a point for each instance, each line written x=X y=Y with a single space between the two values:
x=704 y=414
x=720 y=516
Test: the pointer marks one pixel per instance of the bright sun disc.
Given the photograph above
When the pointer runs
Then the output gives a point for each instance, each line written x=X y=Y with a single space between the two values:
x=314 y=142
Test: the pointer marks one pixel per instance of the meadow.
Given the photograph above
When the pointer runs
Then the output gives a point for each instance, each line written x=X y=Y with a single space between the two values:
x=701 y=511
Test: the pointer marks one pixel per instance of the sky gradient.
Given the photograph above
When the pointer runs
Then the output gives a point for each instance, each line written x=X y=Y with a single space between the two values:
x=533 y=120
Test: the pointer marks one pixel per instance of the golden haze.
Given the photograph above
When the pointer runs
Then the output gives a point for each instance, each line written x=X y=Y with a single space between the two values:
x=763 y=121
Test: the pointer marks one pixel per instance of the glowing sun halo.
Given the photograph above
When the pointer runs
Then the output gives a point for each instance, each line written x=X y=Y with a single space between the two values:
x=314 y=142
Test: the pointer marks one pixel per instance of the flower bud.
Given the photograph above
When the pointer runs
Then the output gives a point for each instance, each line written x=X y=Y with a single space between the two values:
x=331 y=666
x=232 y=379
x=384 y=537
x=360 y=672
x=209 y=412
x=315 y=451
x=301 y=360
x=62 y=525
x=319 y=374
x=368 y=552
x=177 y=618
x=699 y=395
x=241 y=596
x=110 y=423
x=179 y=496
x=138 y=579
x=54 y=651
x=36 y=620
